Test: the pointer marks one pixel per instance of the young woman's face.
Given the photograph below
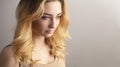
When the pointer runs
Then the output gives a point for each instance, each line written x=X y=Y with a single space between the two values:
x=50 y=20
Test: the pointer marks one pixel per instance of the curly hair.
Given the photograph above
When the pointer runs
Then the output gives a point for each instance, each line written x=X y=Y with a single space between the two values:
x=26 y=12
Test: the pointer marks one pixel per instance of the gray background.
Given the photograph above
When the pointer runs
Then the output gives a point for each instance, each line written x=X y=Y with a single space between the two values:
x=94 y=28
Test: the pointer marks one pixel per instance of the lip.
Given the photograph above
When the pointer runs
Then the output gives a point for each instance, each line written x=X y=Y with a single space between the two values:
x=50 y=31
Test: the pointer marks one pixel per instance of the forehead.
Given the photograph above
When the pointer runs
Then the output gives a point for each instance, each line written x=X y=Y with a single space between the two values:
x=53 y=7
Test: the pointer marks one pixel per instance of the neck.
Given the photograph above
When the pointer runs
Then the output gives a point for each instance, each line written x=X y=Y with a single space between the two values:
x=39 y=41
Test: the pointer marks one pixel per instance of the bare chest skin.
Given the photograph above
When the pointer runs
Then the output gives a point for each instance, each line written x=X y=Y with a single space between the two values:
x=42 y=55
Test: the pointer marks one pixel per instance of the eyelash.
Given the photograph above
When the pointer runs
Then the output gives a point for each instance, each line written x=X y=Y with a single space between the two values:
x=59 y=16
x=46 y=17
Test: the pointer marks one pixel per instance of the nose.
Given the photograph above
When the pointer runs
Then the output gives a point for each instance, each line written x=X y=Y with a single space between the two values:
x=52 y=23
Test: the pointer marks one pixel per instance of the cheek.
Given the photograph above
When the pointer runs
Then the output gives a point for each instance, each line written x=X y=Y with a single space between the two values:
x=37 y=26
x=58 y=22
x=43 y=26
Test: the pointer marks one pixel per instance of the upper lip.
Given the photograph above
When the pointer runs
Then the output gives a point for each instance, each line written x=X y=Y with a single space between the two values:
x=50 y=29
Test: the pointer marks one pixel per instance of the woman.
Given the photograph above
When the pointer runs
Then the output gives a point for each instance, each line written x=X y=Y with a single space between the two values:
x=42 y=27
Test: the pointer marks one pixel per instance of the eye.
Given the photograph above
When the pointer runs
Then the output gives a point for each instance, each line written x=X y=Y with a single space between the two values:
x=59 y=16
x=45 y=17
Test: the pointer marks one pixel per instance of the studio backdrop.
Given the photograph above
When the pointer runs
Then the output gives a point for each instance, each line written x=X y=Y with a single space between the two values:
x=94 y=29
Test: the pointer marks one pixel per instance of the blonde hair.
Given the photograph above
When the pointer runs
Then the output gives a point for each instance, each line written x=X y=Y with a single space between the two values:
x=26 y=12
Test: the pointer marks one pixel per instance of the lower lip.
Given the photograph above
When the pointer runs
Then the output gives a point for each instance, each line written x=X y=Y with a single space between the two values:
x=49 y=31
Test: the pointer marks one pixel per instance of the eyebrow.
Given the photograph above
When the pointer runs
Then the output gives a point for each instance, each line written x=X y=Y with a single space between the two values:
x=52 y=15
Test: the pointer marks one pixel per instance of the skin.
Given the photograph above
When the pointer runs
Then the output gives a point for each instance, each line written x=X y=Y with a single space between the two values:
x=46 y=25
x=43 y=27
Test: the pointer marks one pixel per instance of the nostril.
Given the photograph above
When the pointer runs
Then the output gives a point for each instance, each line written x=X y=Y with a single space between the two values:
x=51 y=25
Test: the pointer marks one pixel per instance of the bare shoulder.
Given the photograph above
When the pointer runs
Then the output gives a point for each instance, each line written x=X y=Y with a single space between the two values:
x=7 y=51
x=7 y=58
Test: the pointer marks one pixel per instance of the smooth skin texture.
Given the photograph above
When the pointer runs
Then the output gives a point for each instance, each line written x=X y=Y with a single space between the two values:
x=44 y=27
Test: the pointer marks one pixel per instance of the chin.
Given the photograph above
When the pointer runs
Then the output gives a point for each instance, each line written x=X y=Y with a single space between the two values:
x=48 y=35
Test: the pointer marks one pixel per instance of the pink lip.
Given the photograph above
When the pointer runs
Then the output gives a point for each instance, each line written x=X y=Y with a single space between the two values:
x=49 y=31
